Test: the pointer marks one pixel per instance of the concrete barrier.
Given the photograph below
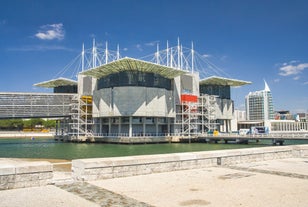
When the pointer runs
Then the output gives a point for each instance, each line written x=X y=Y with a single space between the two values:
x=19 y=174
x=105 y=168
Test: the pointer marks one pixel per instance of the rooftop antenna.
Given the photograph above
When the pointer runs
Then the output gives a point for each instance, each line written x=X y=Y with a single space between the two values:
x=192 y=56
x=94 y=54
x=157 y=53
x=118 y=52
x=179 y=52
x=167 y=53
x=82 y=58
x=106 y=53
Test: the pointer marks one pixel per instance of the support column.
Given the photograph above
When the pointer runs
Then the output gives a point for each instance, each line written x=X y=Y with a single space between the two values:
x=143 y=126
x=168 y=126
x=120 y=124
x=130 y=130
x=100 y=125
x=156 y=125
x=109 y=126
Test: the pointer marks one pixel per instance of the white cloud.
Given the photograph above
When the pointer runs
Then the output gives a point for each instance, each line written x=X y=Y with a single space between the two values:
x=50 y=32
x=151 y=44
x=39 y=48
x=296 y=78
x=277 y=80
x=292 y=69
x=125 y=49
x=206 y=55
x=139 y=47
x=306 y=83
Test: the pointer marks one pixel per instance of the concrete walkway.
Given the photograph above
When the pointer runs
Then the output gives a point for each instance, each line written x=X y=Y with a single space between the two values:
x=281 y=182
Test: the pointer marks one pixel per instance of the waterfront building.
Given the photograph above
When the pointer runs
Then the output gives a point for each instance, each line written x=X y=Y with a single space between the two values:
x=259 y=105
x=128 y=97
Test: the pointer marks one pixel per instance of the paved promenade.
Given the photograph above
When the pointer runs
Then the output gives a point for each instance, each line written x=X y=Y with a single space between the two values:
x=282 y=182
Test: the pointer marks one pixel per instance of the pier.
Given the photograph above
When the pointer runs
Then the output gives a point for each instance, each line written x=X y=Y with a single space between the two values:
x=276 y=138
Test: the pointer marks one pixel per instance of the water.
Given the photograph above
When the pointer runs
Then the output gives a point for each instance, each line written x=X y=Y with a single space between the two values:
x=47 y=148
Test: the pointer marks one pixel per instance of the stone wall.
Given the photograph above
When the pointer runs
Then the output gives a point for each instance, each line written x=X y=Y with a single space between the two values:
x=105 y=168
x=19 y=174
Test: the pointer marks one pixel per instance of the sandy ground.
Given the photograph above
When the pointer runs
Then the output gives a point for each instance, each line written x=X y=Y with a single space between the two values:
x=218 y=186
x=272 y=183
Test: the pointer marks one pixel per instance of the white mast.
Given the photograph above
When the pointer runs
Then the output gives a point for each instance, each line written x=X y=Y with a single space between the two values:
x=94 y=54
x=181 y=66
x=179 y=52
x=157 y=53
x=82 y=58
x=106 y=53
x=171 y=58
x=192 y=57
x=167 y=53
x=118 y=52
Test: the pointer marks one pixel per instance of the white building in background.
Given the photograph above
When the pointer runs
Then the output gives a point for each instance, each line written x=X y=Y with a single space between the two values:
x=259 y=105
x=260 y=113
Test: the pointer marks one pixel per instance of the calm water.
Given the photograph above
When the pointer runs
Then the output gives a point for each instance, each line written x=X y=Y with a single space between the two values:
x=48 y=148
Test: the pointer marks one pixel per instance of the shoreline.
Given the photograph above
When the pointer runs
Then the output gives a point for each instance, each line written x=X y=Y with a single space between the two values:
x=20 y=134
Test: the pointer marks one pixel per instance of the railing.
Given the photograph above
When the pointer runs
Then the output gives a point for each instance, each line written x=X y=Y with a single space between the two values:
x=116 y=135
x=296 y=135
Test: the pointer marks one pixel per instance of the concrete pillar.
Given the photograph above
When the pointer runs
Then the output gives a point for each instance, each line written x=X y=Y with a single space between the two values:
x=109 y=126
x=144 y=126
x=100 y=125
x=120 y=124
x=168 y=127
x=156 y=125
x=130 y=130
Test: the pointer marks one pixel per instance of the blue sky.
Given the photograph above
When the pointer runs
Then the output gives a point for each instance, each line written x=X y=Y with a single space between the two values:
x=251 y=40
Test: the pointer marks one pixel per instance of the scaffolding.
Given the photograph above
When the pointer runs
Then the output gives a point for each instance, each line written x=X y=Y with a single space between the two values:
x=81 y=119
x=197 y=115
x=207 y=109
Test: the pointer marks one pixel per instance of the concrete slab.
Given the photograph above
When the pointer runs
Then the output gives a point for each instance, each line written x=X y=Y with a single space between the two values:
x=212 y=187
x=47 y=196
x=289 y=167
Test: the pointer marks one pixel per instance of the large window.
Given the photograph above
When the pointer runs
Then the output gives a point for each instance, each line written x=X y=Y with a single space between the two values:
x=65 y=89
x=134 y=78
x=221 y=91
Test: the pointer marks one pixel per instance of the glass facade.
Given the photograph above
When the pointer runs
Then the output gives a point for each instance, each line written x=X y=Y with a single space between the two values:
x=65 y=89
x=222 y=92
x=134 y=78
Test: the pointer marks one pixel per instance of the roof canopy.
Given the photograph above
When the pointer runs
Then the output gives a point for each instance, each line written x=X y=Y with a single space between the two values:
x=215 y=80
x=56 y=82
x=130 y=64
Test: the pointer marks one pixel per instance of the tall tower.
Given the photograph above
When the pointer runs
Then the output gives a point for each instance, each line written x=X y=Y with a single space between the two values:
x=259 y=104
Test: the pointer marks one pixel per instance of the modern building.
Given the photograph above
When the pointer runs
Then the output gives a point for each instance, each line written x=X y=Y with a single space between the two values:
x=259 y=105
x=134 y=98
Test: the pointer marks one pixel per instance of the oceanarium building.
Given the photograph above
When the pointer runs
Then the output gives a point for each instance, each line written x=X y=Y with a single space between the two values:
x=133 y=98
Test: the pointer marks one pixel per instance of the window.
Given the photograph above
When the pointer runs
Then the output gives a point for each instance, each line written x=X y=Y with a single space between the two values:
x=134 y=78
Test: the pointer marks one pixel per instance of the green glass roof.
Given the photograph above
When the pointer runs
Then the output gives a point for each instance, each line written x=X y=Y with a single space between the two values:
x=56 y=82
x=215 y=80
x=130 y=64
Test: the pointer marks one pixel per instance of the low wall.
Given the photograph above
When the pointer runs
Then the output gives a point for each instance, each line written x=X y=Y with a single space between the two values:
x=19 y=174
x=25 y=134
x=105 y=168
